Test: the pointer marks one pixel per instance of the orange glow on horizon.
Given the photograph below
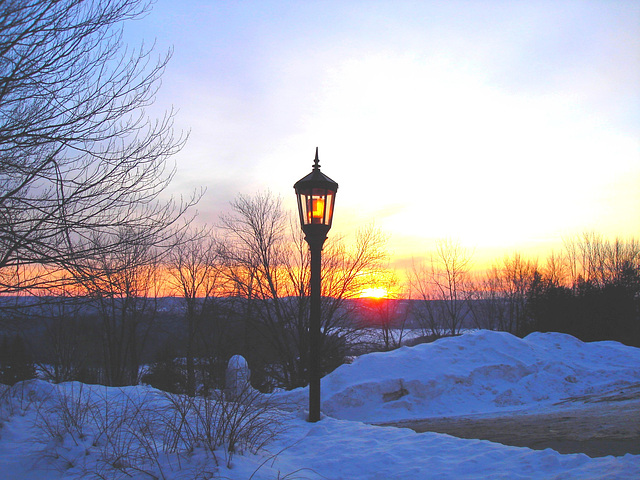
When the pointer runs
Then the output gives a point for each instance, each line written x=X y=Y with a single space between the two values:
x=374 y=292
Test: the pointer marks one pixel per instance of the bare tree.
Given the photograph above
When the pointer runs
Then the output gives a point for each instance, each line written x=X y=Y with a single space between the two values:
x=593 y=259
x=348 y=268
x=585 y=256
x=68 y=348
x=195 y=274
x=123 y=287
x=486 y=301
x=511 y=280
x=268 y=261
x=622 y=256
x=443 y=286
x=517 y=295
x=555 y=269
x=79 y=159
x=255 y=252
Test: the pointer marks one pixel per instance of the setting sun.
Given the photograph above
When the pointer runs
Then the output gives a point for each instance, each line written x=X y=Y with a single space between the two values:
x=374 y=292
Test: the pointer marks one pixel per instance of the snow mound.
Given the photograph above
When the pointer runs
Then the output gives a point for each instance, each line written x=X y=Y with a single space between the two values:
x=479 y=372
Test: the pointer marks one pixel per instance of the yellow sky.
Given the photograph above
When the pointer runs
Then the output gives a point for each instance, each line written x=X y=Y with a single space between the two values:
x=507 y=126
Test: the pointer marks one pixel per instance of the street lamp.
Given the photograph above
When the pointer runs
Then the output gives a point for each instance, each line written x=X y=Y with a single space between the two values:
x=316 y=196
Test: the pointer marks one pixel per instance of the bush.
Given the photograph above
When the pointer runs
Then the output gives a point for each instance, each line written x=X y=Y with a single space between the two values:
x=166 y=373
x=15 y=362
x=92 y=431
x=247 y=423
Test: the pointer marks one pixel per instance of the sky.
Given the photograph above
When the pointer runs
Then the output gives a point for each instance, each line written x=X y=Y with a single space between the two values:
x=506 y=126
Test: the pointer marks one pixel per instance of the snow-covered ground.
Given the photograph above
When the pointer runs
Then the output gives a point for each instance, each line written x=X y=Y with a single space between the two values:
x=480 y=372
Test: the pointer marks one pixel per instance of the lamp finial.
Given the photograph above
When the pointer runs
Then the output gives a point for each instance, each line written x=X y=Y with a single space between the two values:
x=316 y=162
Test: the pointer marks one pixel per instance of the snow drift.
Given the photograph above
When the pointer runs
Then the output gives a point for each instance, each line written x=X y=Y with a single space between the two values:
x=479 y=372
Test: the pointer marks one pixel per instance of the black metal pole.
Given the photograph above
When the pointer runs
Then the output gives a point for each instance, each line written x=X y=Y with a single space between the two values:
x=315 y=246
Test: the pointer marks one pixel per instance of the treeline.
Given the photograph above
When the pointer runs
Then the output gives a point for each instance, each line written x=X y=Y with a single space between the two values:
x=242 y=288
x=245 y=291
x=591 y=289
x=598 y=298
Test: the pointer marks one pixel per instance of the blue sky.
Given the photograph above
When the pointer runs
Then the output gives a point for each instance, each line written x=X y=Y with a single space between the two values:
x=505 y=125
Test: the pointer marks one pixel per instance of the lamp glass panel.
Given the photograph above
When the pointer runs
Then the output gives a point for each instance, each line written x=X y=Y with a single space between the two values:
x=316 y=206
x=329 y=207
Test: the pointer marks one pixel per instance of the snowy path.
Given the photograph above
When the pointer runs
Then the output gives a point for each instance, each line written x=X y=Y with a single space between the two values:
x=344 y=450
x=605 y=428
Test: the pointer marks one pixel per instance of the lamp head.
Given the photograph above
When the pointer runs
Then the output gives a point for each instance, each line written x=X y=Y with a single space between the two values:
x=316 y=197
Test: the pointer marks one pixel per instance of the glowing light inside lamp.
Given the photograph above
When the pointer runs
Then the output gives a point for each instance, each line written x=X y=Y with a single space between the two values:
x=317 y=212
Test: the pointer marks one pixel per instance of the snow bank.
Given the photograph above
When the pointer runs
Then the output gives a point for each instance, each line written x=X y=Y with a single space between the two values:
x=345 y=450
x=479 y=372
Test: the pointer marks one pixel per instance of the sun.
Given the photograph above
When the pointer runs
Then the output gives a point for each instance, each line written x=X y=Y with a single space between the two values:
x=374 y=292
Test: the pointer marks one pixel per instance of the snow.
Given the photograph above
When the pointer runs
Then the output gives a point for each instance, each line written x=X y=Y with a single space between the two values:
x=477 y=373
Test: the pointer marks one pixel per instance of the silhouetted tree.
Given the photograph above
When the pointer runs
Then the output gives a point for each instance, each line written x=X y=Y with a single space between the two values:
x=443 y=287
x=195 y=275
x=595 y=260
x=603 y=308
x=267 y=261
x=79 y=159
x=123 y=288
x=71 y=343
x=487 y=306
x=550 y=307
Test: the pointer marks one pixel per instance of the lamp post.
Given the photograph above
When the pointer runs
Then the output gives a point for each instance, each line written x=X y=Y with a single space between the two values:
x=316 y=196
